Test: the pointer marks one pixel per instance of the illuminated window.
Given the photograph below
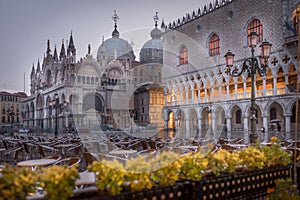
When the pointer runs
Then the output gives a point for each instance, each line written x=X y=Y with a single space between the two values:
x=183 y=56
x=256 y=26
x=214 y=45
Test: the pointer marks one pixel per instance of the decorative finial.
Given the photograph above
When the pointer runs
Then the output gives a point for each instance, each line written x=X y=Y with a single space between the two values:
x=156 y=18
x=89 y=49
x=115 y=17
x=71 y=32
x=102 y=39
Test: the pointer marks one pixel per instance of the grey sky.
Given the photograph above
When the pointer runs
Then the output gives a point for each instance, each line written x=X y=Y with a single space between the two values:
x=25 y=26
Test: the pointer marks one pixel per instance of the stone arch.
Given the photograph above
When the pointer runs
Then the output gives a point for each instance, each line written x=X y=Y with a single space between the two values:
x=236 y=116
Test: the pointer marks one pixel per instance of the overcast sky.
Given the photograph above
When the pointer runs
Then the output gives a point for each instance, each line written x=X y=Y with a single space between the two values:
x=26 y=25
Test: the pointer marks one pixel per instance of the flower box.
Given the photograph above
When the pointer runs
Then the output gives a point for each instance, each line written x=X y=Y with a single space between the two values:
x=239 y=185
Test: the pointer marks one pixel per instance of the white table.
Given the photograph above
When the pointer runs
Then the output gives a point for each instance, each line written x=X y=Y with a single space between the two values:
x=36 y=163
x=85 y=178
x=190 y=147
x=123 y=153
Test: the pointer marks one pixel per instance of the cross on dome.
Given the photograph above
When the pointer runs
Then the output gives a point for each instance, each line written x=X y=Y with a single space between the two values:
x=115 y=17
x=156 y=18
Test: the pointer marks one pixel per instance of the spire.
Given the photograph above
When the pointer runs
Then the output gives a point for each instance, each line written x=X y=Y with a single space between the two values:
x=32 y=70
x=48 y=47
x=156 y=18
x=38 y=68
x=115 y=18
x=163 y=26
x=55 y=57
x=62 y=54
x=102 y=39
x=71 y=42
x=89 y=49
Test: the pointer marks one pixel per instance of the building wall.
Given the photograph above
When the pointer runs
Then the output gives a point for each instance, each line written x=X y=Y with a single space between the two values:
x=11 y=107
x=203 y=84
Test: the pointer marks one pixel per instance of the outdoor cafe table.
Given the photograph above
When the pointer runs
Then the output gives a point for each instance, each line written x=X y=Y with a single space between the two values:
x=85 y=178
x=190 y=147
x=36 y=163
x=123 y=152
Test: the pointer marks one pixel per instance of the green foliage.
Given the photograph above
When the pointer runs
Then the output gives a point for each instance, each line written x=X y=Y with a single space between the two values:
x=193 y=166
x=109 y=176
x=283 y=190
x=16 y=183
x=275 y=155
x=253 y=157
x=138 y=173
x=58 y=181
x=166 y=168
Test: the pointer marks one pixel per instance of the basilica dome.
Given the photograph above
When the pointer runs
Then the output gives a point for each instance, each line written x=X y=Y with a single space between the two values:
x=115 y=48
x=152 y=50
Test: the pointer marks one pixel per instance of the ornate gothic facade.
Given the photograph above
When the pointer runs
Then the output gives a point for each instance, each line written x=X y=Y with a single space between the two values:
x=201 y=97
x=99 y=91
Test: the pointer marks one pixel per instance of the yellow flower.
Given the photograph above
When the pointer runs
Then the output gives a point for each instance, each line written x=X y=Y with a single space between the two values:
x=273 y=139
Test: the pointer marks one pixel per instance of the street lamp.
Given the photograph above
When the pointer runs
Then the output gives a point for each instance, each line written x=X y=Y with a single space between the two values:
x=55 y=104
x=251 y=65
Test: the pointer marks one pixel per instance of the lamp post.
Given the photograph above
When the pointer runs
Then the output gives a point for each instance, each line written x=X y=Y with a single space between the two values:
x=251 y=65
x=55 y=104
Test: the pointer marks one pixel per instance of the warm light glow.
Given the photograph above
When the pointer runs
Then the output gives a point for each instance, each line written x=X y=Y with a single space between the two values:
x=252 y=39
x=229 y=58
x=265 y=49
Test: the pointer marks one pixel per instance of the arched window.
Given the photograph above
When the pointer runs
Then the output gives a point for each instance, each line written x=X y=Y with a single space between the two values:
x=256 y=26
x=273 y=113
x=214 y=45
x=183 y=56
x=238 y=117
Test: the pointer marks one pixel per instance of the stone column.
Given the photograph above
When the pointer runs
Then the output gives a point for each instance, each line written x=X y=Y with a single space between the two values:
x=286 y=78
x=265 y=125
x=198 y=88
x=288 y=125
x=235 y=89
x=186 y=94
x=180 y=95
x=264 y=85
x=193 y=94
x=213 y=124
x=245 y=88
x=187 y=128
x=275 y=85
x=45 y=119
x=199 y=127
x=228 y=126
x=227 y=91
x=246 y=130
